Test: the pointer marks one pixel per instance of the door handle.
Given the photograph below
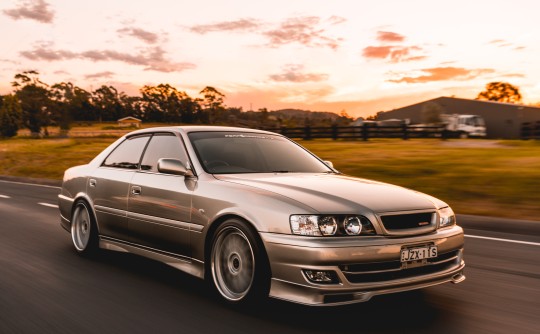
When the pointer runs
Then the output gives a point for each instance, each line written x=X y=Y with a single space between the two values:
x=92 y=182
x=135 y=190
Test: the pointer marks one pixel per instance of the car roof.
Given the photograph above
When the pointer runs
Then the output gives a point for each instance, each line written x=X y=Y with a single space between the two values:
x=196 y=128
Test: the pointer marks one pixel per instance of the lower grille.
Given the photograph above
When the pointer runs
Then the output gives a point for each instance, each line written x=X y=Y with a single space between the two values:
x=391 y=270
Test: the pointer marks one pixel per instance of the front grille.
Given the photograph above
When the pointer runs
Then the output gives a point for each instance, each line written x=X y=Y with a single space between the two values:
x=391 y=270
x=408 y=221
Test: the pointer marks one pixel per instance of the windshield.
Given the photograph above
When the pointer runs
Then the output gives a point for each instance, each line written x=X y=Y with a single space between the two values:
x=244 y=152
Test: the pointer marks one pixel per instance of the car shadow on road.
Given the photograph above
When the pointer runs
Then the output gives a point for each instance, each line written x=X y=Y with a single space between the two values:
x=408 y=312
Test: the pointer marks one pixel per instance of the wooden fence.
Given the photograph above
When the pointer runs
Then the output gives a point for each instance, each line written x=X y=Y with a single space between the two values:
x=364 y=132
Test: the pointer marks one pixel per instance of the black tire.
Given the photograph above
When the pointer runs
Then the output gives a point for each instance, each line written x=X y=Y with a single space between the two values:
x=84 y=234
x=238 y=263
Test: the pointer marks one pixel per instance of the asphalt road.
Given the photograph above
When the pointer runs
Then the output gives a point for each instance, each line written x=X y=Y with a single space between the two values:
x=45 y=287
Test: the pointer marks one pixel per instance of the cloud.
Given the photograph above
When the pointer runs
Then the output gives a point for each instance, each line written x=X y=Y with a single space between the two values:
x=443 y=74
x=513 y=75
x=336 y=20
x=303 y=30
x=145 y=36
x=388 y=36
x=293 y=73
x=37 y=10
x=100 y=75
x=501 y=43
x=393 y=53
x=306 y=30
x=153 y=59
x=43 y=52
x=238 y=25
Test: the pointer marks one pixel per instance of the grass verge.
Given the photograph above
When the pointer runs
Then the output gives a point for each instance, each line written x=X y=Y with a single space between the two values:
x=492 y=178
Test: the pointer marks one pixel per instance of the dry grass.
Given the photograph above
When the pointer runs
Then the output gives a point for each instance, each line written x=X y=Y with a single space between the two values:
x=494 y=178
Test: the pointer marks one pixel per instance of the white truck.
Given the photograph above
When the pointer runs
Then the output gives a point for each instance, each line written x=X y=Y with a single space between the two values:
x=464 y=126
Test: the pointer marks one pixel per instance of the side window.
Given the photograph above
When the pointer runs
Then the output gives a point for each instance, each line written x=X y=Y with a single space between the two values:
x=127 y=154
x=163 y=146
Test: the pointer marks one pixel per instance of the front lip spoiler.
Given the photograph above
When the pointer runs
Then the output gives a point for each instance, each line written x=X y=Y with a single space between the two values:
x=311 y=296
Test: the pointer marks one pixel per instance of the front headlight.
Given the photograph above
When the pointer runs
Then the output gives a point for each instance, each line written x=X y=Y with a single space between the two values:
x=331 y=225
x=446 y=217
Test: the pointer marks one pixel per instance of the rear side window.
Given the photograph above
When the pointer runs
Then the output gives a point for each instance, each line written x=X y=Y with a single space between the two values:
x=163 y=146
x=127 y=154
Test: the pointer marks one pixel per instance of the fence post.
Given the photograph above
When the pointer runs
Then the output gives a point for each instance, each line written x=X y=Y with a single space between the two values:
x=405 y=133
x=444 y=133
x=307 y=133
x=365 y=132
x=283 y=131
x=334 y=132
x=526 y=130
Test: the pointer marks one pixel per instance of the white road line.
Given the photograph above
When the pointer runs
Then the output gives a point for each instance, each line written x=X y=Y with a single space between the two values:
x=49 y=205
x=31 y=184
x=4 y=196
x=504 y=240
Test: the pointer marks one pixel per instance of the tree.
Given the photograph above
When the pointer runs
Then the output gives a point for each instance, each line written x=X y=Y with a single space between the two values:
x=431 y=113
x=212 y=103
x=163 y=103
x=33 y=95
x=10 y=116
x=69 y=102
x=106 y=100
x=500 y=92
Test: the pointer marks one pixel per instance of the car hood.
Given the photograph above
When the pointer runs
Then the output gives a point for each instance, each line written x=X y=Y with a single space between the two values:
x=335 y=193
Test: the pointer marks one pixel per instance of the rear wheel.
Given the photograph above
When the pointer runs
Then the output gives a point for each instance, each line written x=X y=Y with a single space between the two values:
x=83 y=229
x=238 y=263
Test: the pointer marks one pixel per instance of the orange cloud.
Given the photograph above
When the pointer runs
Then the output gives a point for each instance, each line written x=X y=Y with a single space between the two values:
x=395 y=54
x=388 y=36
x=443 y=74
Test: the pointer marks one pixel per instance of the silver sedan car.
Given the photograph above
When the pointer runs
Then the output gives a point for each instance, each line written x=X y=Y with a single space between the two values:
x=258 y=215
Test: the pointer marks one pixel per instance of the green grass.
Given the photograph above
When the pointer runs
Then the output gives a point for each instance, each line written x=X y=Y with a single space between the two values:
x=493 y=178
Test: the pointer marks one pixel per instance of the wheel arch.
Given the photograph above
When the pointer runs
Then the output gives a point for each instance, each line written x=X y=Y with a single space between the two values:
x=209 y=238
x=90 y=205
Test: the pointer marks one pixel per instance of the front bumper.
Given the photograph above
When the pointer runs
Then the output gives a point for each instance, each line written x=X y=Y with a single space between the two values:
x=365 y=266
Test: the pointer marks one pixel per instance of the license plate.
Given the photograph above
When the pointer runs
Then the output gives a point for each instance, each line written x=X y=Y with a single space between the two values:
x=418 y=253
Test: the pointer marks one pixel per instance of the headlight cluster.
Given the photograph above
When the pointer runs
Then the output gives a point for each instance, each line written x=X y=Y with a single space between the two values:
x=446 y=217
x=318 y=225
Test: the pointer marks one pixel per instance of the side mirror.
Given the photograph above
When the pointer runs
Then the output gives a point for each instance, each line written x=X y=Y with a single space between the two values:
x=173 y=166
x=329 y=163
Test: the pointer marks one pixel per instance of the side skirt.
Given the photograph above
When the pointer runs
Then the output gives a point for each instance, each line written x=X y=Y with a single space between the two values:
x=183 y=263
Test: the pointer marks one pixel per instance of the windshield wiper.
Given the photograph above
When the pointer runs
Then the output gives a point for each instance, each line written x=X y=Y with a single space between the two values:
x=281 y=171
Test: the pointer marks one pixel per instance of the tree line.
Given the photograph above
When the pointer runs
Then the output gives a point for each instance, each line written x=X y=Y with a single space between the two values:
x=36 y=106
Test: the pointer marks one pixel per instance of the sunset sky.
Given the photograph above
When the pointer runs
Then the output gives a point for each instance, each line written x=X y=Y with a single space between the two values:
x=359 y=56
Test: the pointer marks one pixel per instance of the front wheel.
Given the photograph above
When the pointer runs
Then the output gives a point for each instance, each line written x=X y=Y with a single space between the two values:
x=83 y=229
x=238 y=263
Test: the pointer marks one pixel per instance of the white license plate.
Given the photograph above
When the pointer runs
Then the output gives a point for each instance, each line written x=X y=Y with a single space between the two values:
x=418 y=253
